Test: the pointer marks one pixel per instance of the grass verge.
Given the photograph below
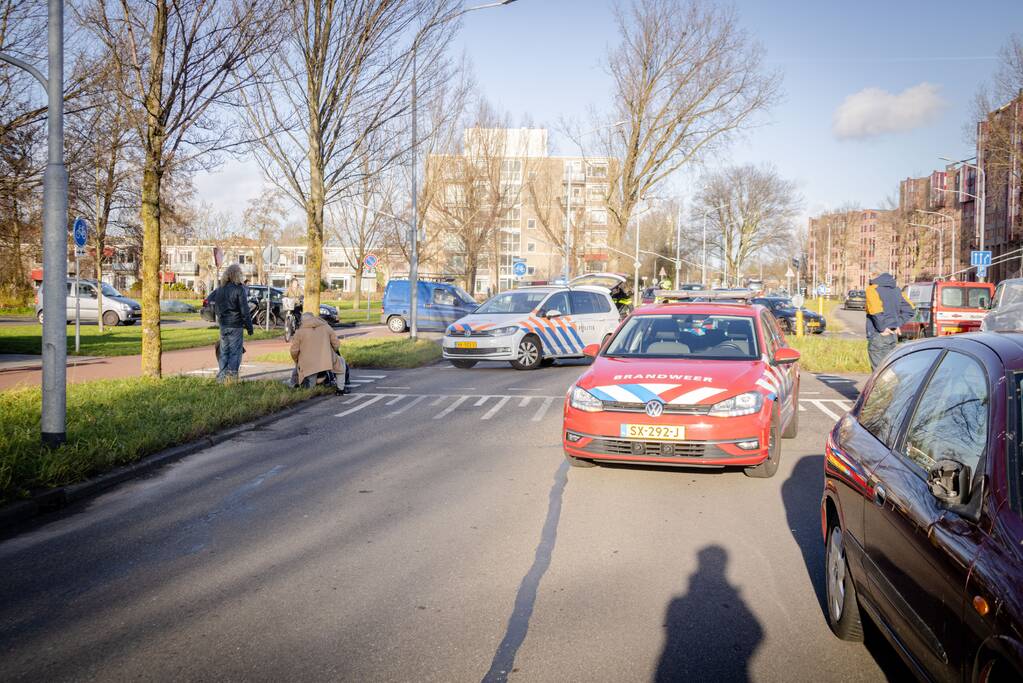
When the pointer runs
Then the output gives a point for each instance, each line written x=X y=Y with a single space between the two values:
x=115 y=341
x=346 y=312
x=116 y=422
x=375 y=353
x=18 y=310
x=831 y=354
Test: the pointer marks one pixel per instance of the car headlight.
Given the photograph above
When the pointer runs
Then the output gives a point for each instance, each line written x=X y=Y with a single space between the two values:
x=580 y=399
x=502 y=331
x=743 y=404
x=327 y=310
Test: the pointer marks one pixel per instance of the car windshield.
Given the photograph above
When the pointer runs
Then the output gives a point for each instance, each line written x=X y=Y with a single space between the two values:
x=464 y=296
x=513 y=302
x=109 y=291
x=965 y=297
x=774 y=304
x=698 y=336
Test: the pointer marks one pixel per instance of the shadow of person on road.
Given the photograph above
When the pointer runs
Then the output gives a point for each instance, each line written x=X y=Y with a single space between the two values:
x=843 y=385
x=801 y=496
x=711 y=634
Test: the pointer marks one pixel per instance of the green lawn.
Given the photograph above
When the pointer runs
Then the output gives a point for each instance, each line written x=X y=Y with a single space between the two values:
x=116 y=341
x=375 y=353
x=831 y=354
x=115 y=422
x=346 y=312
x=18 y=310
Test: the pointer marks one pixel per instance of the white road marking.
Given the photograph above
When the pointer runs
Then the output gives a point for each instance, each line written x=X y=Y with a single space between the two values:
x=447 y=411
x=362 y=405
x=437 y=401
x=802 y=408
x=525 y=401
x=808 y=393
x=407 y=405
x=493 y=411
x=481 y=401
x=371 y=376
x=381 y=386
x=820 y=404
x=542 y=410
x=394 y=400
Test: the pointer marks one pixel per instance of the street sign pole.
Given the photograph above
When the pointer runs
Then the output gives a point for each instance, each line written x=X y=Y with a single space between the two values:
x=80 y=231
x=78 y=305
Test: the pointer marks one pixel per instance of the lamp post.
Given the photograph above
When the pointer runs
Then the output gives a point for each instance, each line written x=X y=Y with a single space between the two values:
x=54 y=406
x=941 y=243
x=413 y=269
x=705 y=213
x=955 y=254
x=980 y=215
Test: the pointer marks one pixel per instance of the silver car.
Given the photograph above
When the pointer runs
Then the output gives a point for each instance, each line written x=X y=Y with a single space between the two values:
x=117 y=308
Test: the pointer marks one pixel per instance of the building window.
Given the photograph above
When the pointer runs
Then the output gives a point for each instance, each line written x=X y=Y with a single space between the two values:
x=530 y=270
x=531 y=246
x=598 y=170
x=531 y=224
x=511 y=171
x=598 y=217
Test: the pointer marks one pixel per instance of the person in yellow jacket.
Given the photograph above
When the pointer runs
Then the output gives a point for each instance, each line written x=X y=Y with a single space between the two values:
x=887 y=310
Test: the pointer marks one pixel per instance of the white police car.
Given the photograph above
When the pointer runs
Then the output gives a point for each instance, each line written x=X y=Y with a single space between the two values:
x=532 y=326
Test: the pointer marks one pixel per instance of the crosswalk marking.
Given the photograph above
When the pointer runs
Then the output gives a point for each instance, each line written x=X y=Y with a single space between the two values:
x=363 y=404
x=450 y=408
x=406 y=406
x=496 y=408
x=542 y=410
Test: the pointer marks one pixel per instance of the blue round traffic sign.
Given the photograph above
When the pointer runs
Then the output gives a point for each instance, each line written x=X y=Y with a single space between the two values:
x=370 y=260
x=81 y=231
x=822 y=289
x=519 y=268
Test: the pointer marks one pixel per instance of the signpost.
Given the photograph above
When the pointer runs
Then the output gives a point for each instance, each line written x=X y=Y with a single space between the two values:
x=519 y=268
x=370 y=262
x=271 y=255
x=982 y=261
x=81 y=234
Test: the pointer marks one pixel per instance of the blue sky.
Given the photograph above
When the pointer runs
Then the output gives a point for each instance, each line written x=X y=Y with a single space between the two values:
x=541 y=60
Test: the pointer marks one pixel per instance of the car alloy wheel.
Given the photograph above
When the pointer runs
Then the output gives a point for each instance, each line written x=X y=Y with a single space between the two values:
x=836 y=575
x=528 y=356
x=840 y=592
x=396 y=324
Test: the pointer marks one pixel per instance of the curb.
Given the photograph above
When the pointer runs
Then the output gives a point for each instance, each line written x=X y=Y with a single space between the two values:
x=50 y=500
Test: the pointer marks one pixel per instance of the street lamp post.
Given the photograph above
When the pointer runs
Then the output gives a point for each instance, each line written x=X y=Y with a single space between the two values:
x=54 y=406
x=705 y=213
x=413 y=268
x=955 y=254
x=980 y=215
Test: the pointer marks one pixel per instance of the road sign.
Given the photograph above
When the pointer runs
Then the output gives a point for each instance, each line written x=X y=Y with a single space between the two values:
x=789 y=273
x=371 y=260
x=218 y=256
x=980 y=258
x=981 y=271
x=519 y=268
x=81 y=231
x=822 y=289
x=798 y=300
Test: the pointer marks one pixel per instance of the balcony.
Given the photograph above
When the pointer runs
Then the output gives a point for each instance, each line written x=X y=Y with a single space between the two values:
x=185 y=268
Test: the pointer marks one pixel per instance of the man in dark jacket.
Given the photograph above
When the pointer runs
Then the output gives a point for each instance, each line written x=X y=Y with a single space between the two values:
x=232 y=306
x=887 y=311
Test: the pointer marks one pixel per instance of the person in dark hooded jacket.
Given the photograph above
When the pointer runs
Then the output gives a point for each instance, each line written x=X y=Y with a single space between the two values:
x=887 y=311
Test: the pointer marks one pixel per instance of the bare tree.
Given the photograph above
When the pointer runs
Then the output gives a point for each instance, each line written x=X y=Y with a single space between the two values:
x=753 y=211
x=544 y=193
x=176 y=63
x=340 y=79
x=686 y=78
x=263 y=220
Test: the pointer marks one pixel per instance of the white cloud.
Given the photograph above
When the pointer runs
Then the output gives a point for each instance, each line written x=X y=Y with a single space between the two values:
x=872 y=111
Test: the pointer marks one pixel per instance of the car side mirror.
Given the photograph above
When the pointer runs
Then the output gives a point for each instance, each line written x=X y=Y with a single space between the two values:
x=553 y=313
x=591 y=350
x=785 y=356
x=949 y=483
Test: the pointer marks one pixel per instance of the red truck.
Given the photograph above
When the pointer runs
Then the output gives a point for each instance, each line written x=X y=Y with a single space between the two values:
x=946 y=307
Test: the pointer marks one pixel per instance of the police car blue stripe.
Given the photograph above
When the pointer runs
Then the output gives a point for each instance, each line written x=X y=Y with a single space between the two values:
x=543 y=332
x=549 y=329
x=641 y=392
x=578 y=339
x=564 y=335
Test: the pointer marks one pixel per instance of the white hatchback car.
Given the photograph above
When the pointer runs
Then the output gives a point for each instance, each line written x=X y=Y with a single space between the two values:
x=532 y=326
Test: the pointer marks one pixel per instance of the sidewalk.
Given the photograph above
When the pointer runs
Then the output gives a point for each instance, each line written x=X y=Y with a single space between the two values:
x=21 y=371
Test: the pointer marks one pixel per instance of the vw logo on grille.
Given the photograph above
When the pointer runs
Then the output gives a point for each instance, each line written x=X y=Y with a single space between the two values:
x=468 y=333
x=654 y=408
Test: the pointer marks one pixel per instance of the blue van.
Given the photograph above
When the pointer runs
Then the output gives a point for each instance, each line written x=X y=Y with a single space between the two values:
x=439 y=305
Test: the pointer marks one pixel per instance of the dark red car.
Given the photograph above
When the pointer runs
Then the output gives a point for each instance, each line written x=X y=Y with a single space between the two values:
x=921 y=513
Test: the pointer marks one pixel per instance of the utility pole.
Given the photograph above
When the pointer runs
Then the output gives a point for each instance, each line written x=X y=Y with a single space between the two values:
x=678 y=245
x=54 y=407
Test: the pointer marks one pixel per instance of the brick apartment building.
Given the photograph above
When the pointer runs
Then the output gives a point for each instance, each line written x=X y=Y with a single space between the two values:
x=856 y=238
x=530 y=221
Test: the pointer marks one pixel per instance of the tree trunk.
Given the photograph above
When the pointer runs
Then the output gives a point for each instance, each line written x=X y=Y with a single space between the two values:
x=358 y=284
x=471 y=266
x=314 y=228
x=151 y=250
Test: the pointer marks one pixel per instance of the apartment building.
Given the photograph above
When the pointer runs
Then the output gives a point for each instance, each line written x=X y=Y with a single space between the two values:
x=1000 y=155
x=841 y=246
x=193 y=265
x=505 y=198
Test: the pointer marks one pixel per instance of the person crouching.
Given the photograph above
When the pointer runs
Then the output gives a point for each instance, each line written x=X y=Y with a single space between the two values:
x=314 y=349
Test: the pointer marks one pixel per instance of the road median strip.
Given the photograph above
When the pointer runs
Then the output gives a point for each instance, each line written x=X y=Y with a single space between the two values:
x=133 y=425
x=399 y=352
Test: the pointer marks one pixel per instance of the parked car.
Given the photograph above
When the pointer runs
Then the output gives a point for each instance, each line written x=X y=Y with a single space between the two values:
x=855 y=299
x=257 y=303
x=785 y=312
x=946 y=307
x=438 y=303
x=117 y=308
x=921 y=510
x=1006 y=307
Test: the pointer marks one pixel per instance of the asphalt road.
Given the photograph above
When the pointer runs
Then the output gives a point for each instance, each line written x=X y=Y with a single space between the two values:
x=853 y=321
x=427 y=528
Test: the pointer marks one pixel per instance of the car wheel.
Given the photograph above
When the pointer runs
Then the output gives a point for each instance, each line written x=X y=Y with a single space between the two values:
x=396 y=324
x=792 y=429
x=529 y=355
x=767 y=468
x=110 y=319
x=579 y=462
x=840 y=591
x=464 y=364
x=39 y=317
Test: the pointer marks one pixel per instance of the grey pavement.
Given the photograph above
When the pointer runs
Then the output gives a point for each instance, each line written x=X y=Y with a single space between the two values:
x=853 y=321
x=426 y=528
